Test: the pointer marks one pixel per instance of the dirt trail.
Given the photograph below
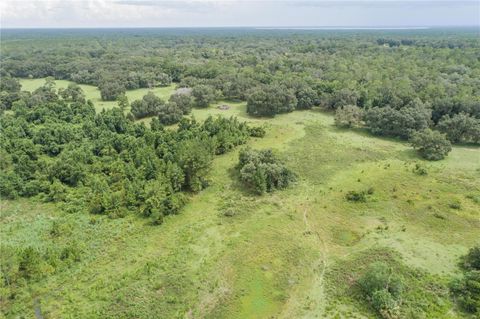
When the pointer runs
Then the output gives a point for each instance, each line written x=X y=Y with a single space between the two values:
x=318 y=295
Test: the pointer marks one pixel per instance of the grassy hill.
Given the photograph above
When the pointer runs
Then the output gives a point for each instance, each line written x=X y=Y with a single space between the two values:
x=295 y=253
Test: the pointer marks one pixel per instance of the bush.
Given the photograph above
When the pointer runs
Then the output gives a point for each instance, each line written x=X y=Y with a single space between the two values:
x=257 y=131
x=431 y=145
x=420 y=170
x=385 y=304
x=348 y=116
x=471 y=261
x=262 y=171
x=382 y=288
x=30 y=262
x=455 y=205
x=354 y=196
x=361 y=196
x=467 y=288
x=467 y=291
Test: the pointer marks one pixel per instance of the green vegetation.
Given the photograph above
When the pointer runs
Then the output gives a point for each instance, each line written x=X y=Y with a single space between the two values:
x=93 y=93
x=107 y=216
x=262 y=171
x=467 y=289
x=431 y=145
x=348 y=116
x=383 y=289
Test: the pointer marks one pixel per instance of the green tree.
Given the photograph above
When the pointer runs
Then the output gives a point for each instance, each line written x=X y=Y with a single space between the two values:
x=203 y=95
x=170 y=113
x=184 y=101
x=270 y=100
x=195 y=158
x=73 y=93
x=431 y=145
x=348 y=116
x=401 y=123
x=460 y=128
x=343 y=97
x=122 y=101
x=262 y=171
x=150 y=105
x=306 y=98
x=111 y=90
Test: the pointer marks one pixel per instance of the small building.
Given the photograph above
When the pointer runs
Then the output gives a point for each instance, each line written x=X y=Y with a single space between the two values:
x=224 y=107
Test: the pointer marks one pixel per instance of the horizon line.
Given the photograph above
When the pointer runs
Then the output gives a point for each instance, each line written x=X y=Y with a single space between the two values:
x=247 y=26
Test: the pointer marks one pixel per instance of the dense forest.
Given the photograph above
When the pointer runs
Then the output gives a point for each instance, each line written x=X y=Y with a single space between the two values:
x=357 y=98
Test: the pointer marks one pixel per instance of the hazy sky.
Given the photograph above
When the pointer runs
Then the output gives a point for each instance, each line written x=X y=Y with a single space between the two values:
x=206 y=13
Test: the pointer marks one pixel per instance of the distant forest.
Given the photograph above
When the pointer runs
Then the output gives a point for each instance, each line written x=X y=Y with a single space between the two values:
x=415 y=79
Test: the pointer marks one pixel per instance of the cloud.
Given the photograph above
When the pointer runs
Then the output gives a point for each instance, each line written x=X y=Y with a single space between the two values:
x=208 y=13
x=199 y=6
x=385 y=3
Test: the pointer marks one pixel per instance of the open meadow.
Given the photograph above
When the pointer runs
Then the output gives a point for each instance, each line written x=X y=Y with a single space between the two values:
x=294 y=253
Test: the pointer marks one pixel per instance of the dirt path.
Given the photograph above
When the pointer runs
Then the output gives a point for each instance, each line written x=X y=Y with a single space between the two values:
x=318 y=296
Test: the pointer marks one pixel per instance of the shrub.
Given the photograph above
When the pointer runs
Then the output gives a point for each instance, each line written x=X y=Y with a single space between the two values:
x=257 y=131
x=471 y=261
x=420 y=170
x=467 y=291
x=455 y=205
x=30 y=262
x=386 y=305
x=360 y=196
x=467 y=288
x=382 y=288
x=431 y=145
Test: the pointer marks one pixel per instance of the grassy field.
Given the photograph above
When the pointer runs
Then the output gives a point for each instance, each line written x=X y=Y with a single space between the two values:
x=291 y=254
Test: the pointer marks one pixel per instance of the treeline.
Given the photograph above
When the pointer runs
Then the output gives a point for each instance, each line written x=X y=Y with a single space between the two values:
x=401 y=83
x=328 y=69
x=57 y=148
x=414 y=121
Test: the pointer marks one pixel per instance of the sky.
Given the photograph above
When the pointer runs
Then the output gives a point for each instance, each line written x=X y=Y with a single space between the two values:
x=259 y=13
